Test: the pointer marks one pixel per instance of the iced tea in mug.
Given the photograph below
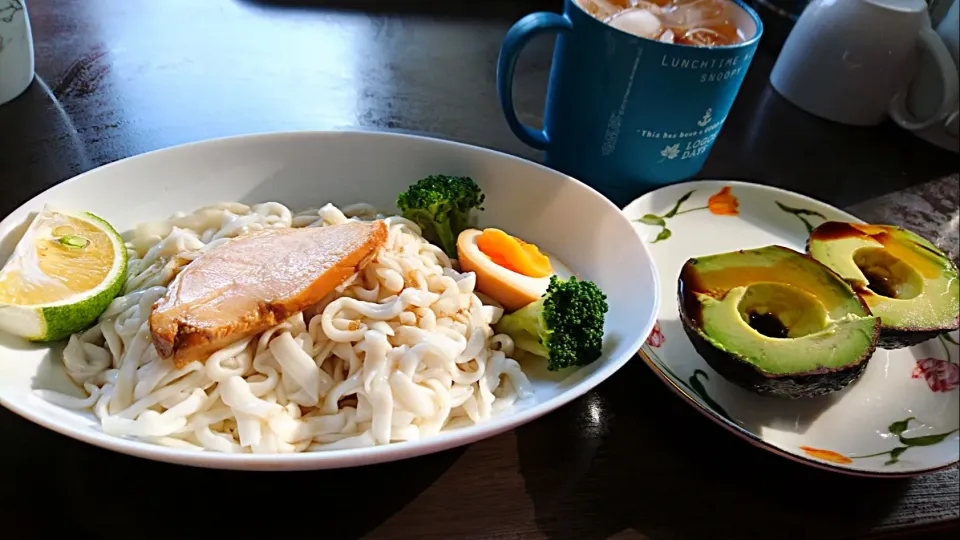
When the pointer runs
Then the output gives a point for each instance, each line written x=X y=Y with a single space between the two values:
x=639 y=89
x=703 y=23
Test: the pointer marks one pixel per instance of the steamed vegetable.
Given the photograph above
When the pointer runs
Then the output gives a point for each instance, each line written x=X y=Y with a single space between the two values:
x=441 y=206
x=565 y=325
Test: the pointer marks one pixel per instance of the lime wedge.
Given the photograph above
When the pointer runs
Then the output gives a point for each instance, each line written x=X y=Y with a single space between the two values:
x=64 y=272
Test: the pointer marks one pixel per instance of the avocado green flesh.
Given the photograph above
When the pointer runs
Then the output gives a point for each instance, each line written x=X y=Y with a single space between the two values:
x=838 y=344
x=905 y=280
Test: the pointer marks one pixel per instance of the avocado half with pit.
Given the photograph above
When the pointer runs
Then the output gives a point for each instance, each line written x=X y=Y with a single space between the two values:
x=775 y=321
x=905 y=280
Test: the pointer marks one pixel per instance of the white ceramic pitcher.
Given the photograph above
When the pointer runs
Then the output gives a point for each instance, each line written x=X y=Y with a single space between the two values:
x=16 y=50
x=851 y=61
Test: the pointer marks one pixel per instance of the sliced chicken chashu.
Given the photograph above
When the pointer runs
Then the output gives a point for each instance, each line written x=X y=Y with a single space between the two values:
x=254 y=282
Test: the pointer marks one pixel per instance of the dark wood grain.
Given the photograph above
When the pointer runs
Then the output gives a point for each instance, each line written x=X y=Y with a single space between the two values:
x=628 y=460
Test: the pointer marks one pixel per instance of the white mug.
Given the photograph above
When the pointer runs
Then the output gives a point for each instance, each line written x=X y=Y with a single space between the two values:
x=924 y=94
x=16 y=50
x=850 y=61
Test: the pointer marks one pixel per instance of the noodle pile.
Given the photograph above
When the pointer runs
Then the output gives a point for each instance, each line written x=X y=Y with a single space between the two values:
x=400 y=351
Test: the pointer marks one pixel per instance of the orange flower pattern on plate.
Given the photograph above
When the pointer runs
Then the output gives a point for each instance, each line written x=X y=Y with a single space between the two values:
x=827 y=455
x=723 y=203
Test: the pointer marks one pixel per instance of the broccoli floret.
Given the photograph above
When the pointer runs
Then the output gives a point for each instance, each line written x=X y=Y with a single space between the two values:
x=565 y=325
x=441 y=206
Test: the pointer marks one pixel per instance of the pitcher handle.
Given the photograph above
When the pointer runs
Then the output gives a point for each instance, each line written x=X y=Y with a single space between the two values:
x=934 y=46
x=517 y=37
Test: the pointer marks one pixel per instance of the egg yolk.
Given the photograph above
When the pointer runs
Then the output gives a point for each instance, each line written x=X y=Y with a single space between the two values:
x=514 y=254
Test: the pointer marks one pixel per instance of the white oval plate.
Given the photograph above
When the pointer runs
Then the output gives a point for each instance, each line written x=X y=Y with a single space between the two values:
x=305 y=170
x=853 y=431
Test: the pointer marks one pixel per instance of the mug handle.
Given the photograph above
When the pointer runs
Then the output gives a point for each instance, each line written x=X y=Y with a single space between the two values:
x=934 y=46
x=516 y=39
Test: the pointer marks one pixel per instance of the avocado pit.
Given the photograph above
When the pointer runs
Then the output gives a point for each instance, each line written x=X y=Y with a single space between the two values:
x=781 y=311
x=767 y=324
x=887 y=275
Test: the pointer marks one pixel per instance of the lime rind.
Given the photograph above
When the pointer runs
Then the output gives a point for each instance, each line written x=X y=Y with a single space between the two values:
x=53 y=321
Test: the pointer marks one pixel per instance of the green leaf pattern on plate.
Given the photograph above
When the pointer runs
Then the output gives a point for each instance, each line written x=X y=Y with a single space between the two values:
x=898 y=428
x=802 y=214
x=652 y=219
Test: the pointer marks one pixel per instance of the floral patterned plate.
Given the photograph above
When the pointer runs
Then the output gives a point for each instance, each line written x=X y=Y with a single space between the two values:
x=900 y=419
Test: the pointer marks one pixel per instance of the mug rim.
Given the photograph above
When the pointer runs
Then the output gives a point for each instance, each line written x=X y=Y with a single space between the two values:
x=739 y=3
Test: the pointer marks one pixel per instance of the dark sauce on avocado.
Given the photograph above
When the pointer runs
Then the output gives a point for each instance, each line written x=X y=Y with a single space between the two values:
x=835 y=230
x=768 y=324
x=916 y=254
x=688 y=285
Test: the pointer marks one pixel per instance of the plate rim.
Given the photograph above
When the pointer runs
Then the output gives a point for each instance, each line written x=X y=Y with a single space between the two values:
x=737 y=430
x=355 y=457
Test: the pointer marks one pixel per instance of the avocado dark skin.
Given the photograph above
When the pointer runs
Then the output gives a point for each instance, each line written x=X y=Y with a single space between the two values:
x=898 y=339
x=795 y=386
x=721 y=297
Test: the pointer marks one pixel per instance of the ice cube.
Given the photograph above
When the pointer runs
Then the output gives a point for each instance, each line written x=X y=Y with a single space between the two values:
x=639 y=22
x=604 y=9
x=694 y=13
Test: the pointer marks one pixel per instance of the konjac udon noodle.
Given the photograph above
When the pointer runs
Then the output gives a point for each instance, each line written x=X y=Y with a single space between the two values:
x=704 y=23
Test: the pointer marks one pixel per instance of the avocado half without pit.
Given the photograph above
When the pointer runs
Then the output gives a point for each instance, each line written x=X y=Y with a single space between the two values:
x=904 y=279
x=776 y=321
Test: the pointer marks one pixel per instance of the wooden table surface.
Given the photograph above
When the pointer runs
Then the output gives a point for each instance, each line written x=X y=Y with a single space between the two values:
x=628 y=460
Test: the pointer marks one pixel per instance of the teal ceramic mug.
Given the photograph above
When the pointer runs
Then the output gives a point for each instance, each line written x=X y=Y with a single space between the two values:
x=626 y=114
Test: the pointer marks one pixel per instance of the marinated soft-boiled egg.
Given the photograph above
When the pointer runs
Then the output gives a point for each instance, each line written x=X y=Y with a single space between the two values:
x=508 y=270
